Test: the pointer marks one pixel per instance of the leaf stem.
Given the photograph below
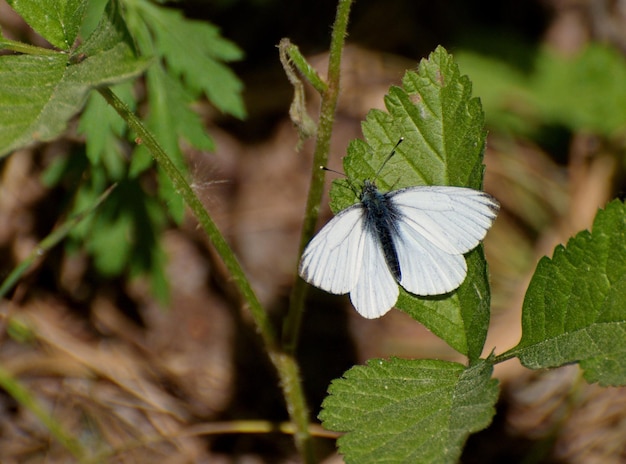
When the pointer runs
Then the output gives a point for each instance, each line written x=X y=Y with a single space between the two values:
x=510 y=354
x=184 y=189
x=293 y=321
x=289 y=56
x=292 y=52
x=284 y=363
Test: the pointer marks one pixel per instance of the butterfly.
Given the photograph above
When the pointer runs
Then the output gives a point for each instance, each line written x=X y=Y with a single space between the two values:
x=414 y=236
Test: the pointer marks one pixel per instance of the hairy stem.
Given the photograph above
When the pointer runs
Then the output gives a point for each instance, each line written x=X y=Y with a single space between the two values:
x=293 y=321
x=284 y=363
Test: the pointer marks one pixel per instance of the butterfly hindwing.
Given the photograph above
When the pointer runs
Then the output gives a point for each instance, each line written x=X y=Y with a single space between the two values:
x=426 y=269
x=332 y=260
x=376 y=290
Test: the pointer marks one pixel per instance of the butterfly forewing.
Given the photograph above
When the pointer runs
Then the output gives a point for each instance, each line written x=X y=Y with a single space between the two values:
x=455 y=219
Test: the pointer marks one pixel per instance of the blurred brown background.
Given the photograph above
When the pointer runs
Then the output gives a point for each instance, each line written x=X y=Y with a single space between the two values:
x=144 y=383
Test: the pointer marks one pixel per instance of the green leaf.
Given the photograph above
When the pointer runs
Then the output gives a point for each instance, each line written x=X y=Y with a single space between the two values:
x=194 y=51
x=163 y=107
x=444 y=139
x=104 y=130
x=584 y=92
x=409 y=411
x=462 y=318
x=575 y=306
x=41 y=93
x=57 y=21
x=124 y=235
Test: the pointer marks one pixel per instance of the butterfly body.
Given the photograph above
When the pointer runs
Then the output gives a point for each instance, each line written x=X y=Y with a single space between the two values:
x=381 y=217
x=415 y=237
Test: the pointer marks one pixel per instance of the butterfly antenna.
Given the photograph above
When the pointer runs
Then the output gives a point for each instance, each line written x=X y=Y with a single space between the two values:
x=393 y=152
x=324 y=168
x=350 y=184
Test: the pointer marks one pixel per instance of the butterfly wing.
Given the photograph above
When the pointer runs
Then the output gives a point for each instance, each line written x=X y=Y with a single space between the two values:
x=436 y=226
x=344 y=257
x=376 y=290
x=332 y=260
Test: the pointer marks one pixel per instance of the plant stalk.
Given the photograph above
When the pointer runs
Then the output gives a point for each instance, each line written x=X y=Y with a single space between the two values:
x=284 y=363
x=293 y=321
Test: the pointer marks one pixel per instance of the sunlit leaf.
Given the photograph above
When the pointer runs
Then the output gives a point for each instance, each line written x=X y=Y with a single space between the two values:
x=409 y=411
x=444 y=138
x=575 y=306
x=39 y=94
x=57 y=21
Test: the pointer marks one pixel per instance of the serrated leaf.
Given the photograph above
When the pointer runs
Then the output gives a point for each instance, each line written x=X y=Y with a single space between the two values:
x=444 y=138
x=194 y=51
x=409 y=411
x=39 y=94
x=57 y=21
x=462 y=318
x=575 y=306
x=123 y=236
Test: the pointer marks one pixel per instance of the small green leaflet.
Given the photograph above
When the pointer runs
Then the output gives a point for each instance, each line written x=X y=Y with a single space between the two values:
x=444 y=139
x=409 y=411
x=57 y=21
x=194 y=52
x=575 y=306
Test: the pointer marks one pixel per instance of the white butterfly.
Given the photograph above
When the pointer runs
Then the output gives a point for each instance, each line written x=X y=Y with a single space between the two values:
x=415 y=237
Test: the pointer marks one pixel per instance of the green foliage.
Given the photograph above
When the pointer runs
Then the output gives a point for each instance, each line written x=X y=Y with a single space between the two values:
x=177 y=79
x=442 y=126
x=200 y=66
x=43 y=89
x=40 y=93
x=408 y=411
x=575 y=307
x=584 y=92
x=56 y=21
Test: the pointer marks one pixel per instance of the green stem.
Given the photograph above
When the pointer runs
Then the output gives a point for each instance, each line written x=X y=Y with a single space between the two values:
x=28 y=401
x=48 y=243
x=183 y=188
x=295 y=57
x=20 y=47
x=284 y=363
x=504 y=357
x=293 y=321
